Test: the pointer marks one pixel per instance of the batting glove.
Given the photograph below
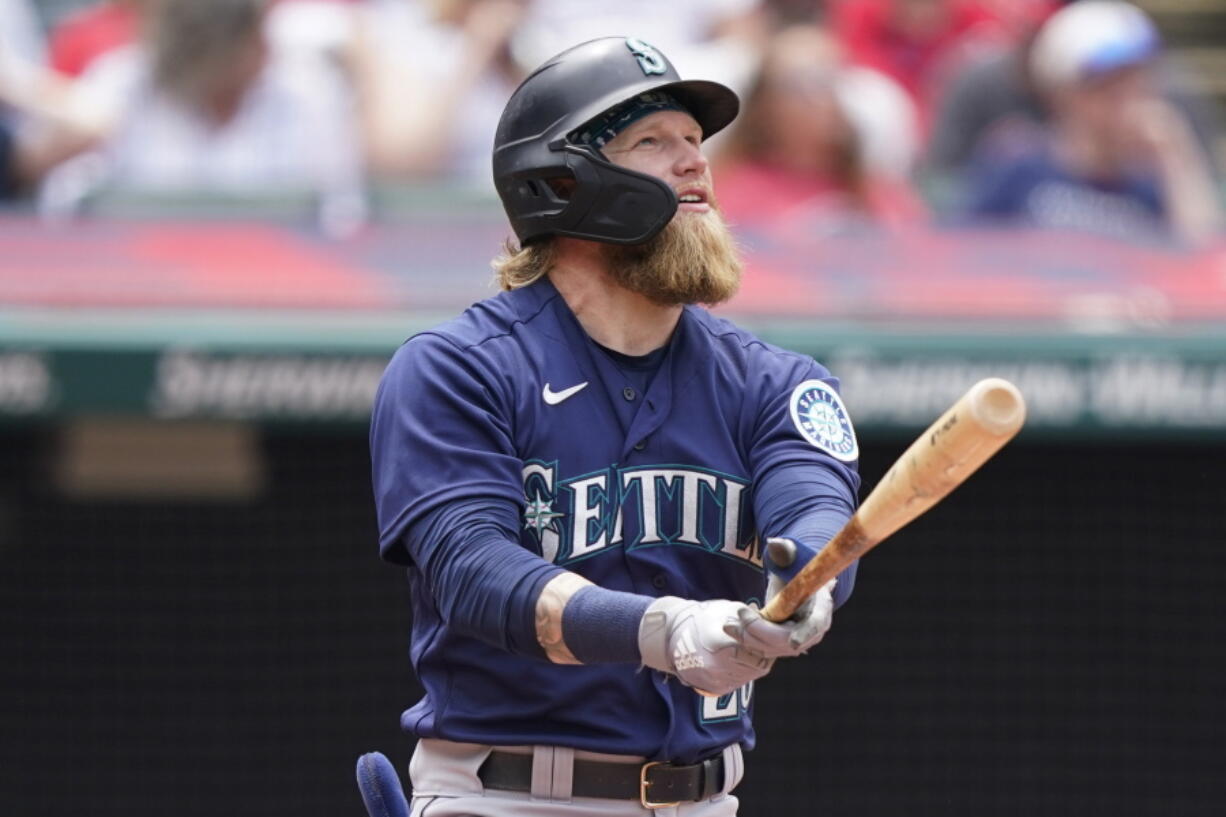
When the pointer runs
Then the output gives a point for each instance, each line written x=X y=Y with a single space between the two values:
x=808 y=625
x=697 y=641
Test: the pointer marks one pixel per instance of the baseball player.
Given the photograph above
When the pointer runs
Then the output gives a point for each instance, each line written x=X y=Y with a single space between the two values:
x=579 y=472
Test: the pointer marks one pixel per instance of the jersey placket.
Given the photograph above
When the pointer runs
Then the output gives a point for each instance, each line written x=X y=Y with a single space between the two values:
x=640 y=413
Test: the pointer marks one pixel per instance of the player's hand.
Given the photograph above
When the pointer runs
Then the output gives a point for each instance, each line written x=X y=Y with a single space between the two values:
x=697 y=642
x=808 y=625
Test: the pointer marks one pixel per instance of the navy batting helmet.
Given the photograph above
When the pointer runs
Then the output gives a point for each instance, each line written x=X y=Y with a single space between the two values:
x=535 y=143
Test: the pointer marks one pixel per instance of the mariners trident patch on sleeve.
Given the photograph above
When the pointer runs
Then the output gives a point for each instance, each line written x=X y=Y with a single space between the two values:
x=820 y=417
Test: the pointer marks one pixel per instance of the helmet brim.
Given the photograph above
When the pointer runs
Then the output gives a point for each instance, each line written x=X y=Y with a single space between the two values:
x=712 y=105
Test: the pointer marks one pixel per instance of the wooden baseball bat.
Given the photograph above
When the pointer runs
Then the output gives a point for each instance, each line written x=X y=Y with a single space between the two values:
x=950 y=450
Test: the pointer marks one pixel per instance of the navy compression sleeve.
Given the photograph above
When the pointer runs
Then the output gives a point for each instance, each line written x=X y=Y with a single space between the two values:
x=807 y=503
x=485 y=584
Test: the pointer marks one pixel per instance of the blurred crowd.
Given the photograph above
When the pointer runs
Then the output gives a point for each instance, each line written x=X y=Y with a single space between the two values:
x=857 y=114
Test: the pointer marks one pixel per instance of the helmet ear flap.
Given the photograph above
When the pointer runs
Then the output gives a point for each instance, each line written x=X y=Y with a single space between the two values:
x=597 y=201
x=614 y=204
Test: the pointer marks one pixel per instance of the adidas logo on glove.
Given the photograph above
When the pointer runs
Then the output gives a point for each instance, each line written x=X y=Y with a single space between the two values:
x=685 y=656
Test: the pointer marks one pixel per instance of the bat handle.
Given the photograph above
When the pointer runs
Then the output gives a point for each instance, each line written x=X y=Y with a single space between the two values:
x=845 y=547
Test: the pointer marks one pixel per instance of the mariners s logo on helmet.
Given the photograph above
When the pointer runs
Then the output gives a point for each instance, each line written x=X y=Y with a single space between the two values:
x=650 y=60
x=820 y=417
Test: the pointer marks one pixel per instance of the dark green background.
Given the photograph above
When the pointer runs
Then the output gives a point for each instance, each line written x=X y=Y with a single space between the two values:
x=1047 y=641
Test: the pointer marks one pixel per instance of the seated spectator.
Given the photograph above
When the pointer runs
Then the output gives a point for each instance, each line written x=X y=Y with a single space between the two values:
x=91 y=31
x=42 y=124
x=995 y=94
x=432 y=117
x=820 y=146
x=202 y=104
x=991 y=93
x=1117 y=158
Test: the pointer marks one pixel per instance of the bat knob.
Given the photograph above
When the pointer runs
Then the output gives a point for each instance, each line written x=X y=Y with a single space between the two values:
x=781 y=552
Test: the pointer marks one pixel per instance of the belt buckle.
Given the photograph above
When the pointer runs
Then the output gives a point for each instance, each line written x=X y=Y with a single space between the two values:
x=644 y=783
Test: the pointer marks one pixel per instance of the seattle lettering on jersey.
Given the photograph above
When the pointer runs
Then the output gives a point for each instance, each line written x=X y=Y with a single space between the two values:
x=635 y=507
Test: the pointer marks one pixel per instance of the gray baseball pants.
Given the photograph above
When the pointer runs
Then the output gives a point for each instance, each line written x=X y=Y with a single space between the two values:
x=445 y=784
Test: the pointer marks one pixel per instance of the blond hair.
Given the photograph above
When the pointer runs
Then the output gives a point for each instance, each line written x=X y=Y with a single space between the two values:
x=517 y=266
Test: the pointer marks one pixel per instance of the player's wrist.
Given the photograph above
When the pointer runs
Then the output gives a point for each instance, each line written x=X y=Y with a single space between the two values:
x=601 y=626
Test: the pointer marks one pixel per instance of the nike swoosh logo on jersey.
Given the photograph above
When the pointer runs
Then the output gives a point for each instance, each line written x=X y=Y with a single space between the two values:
x=554 y=397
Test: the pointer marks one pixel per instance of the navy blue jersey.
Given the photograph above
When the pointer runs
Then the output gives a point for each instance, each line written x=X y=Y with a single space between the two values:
x=650 y=493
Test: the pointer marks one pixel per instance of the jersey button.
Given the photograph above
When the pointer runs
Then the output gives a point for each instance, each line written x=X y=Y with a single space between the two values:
x=659 y=580
x=628 y=393
x=640 y=445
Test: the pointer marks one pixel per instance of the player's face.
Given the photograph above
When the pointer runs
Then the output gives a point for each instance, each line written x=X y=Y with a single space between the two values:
x=667 y=145
x=694 y=259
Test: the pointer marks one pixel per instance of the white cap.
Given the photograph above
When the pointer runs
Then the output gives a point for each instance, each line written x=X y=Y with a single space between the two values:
x=1090 y=38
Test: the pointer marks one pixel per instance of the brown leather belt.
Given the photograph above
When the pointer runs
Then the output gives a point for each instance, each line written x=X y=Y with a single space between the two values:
x=655 y=784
